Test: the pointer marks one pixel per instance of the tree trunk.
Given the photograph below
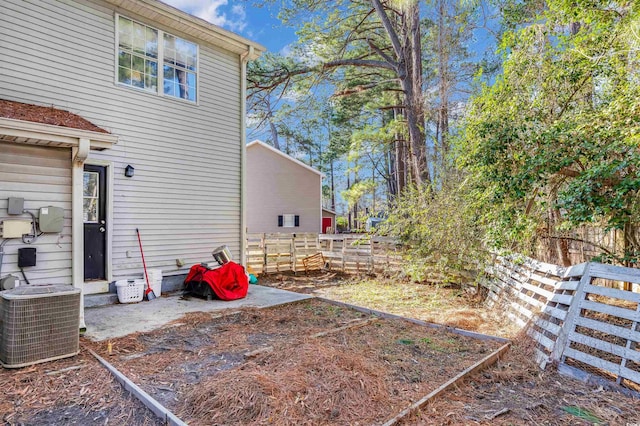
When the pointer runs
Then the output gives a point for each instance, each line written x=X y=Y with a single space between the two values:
x=390 y=165
x=561 y=244
x=407 y=46
x=410 y=74
x=272 y=126
x=442 y=139
x=333 y=190
x=400 y=156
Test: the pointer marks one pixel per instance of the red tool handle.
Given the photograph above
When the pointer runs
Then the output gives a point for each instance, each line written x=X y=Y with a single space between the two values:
x=144 y=265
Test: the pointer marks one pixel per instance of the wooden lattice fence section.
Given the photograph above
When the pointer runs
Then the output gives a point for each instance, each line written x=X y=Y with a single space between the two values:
x=583 y=318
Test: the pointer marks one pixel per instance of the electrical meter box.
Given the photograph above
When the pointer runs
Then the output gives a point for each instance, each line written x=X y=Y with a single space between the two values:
x=51 y=219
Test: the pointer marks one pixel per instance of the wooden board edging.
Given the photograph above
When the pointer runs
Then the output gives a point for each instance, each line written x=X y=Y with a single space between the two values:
x=478 y=366
x=149 y=402
x=382 y=314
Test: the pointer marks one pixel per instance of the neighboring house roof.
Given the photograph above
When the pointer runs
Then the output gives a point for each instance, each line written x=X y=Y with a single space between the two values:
x=191 y=25
x=45 y=115
x=329 y=211
x=282 y=154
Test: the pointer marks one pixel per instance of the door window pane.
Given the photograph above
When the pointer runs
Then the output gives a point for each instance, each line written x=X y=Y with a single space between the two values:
x=91 y=182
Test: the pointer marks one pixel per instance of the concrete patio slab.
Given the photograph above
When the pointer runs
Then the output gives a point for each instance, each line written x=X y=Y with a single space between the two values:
x=111 y=321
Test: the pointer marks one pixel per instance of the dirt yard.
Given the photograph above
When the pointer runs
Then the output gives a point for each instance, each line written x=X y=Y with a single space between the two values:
x=315 y=363
x=308 y=362
x=512 y=392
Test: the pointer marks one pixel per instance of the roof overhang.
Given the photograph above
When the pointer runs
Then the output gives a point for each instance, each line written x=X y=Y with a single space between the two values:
x=32 y=133
x=258 y=142
x=188 y=24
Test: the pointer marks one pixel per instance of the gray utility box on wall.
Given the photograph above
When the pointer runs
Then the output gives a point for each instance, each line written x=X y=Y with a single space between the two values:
x=38 y=324
x=51 y=219
x=15 y=205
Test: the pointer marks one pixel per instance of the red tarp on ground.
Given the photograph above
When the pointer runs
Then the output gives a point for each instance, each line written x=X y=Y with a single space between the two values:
x=228 y=282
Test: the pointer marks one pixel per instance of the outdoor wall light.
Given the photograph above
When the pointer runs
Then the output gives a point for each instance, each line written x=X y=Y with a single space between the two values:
x=128 y=171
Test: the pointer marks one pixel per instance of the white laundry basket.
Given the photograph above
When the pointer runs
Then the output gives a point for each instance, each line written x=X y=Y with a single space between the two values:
x=130 y=291
x=155 y=281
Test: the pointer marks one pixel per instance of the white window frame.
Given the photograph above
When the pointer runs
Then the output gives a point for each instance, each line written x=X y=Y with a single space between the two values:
x=291 y=223
x=160 y=59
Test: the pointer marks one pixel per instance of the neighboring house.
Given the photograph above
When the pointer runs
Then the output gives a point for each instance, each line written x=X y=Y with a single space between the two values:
x=328 y=221
x=283 y=194
x=143 y=128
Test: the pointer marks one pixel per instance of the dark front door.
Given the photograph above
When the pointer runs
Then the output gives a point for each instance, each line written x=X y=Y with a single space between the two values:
x=95 y=222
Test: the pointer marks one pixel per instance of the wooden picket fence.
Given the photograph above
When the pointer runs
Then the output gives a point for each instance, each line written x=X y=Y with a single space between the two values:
x=350 y=253
x=585 y=318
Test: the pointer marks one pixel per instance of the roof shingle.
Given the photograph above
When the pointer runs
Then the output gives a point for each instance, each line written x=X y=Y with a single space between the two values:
x=45 y=115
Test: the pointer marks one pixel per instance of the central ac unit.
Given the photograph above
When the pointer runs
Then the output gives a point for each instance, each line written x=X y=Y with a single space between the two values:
x=38 y=324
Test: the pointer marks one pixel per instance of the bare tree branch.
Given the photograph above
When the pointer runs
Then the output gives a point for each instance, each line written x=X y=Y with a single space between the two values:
x=358 y=63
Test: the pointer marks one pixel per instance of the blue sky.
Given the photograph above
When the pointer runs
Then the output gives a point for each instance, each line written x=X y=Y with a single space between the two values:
x=258 y=24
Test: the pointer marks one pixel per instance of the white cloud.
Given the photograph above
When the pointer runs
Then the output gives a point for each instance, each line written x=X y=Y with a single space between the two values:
x=286 y=50
x=214 y=11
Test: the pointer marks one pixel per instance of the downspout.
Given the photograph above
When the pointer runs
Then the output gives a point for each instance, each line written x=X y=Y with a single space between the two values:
x=321 y=207
x=244 y=59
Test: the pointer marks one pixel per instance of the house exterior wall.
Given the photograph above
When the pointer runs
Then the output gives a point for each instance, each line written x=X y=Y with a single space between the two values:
x=43 y=178
x=277 y=186
x=185 y=196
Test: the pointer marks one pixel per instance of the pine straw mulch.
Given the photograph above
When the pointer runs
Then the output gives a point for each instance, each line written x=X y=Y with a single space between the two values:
x=265 y=366
x=516 y=392
x=69 y=391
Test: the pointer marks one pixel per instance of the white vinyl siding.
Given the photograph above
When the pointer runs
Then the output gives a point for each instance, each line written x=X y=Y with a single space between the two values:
x=185 y=195
x=42 y=176
x=277 y=187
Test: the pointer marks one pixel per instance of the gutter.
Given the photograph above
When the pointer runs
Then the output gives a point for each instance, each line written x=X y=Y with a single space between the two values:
x=171 y=17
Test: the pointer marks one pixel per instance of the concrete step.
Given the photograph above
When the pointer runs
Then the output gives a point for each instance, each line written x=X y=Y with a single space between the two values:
x=100 y=299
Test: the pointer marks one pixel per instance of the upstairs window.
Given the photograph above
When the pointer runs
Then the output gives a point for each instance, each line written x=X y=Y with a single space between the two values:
x=180 y=59
x=139 y=56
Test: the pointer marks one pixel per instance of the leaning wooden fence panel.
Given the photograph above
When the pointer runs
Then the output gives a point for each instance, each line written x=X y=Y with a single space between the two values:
x=304 y=245
x=604 y=337
x=582 y=318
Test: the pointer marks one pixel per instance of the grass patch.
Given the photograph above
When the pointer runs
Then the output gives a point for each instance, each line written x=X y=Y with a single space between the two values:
x=432 y=303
